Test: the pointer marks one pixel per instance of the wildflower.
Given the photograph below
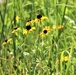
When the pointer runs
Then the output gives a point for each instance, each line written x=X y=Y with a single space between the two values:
x=44 y=18
x=6 y=41
x=15 y=30
x=17 y=19
x=45 y=31
x=28 y=29
x=29 y=22
x=40 y=17
x=54 y=27
x=59 y=27
x=65 y=58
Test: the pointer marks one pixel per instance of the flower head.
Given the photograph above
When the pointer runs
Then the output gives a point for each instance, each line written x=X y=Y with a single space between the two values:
x=29 y=22
x=65 y=58
x=40 y=17
x=45 y=31
x=6 y=41
x=28 y=29
x=59 y=27
x=17 y=18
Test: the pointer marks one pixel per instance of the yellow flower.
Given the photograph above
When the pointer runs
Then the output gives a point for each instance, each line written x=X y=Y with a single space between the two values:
x=45 y=31
x=54 y=27
x=29 y=22
x=16 y=29
x=65 y=58
x=6 y=41
x=44 y=18
x=17 y=19
x=59 y=27
x=28 y=29
x=40 y=17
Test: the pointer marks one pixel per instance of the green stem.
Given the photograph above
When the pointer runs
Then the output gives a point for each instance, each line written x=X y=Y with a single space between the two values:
x=14 y=40
x=64 y=12
x=60 y=31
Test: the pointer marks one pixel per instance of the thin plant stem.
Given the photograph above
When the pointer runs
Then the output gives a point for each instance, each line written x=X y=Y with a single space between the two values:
x=64 y=12
x=63 y=17
x=14 y=40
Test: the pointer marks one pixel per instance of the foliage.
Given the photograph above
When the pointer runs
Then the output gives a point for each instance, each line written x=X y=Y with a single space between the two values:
x=37 y=37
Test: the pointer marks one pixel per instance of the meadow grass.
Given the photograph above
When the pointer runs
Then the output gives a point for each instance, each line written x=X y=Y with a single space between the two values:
x=37 y=37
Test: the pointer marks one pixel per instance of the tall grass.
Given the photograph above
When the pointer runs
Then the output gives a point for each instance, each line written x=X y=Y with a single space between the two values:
x=44 y=49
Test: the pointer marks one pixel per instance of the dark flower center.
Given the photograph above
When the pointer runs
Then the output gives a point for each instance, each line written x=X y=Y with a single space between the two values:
x=28 y=27
x=15 y=28
x=45 y=31
x=39 y=16
x=6 y=40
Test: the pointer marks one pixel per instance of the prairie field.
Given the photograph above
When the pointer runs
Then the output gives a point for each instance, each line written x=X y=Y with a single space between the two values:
x=37 y=37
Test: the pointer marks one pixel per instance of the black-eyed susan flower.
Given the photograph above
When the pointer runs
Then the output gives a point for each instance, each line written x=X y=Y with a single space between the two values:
x=16 y=29
x=6 y=41
x=29 y=22
x=59 y=27
x=40 y=17
x=45 y=31
x=65 y=58
x=28 y=29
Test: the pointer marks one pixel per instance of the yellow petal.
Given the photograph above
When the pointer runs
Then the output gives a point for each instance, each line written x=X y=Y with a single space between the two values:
x=33 y=28
x=28 y=23
x=16 y=30
x=9 y=40
x=44 y=18
x=36 y=20
x=25 y=32
x=3 y=43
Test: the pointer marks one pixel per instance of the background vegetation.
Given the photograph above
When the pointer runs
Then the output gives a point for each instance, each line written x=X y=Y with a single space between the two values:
x=35 y=52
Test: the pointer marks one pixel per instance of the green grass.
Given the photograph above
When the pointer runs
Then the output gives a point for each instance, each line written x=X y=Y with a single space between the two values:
x=29 y=54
